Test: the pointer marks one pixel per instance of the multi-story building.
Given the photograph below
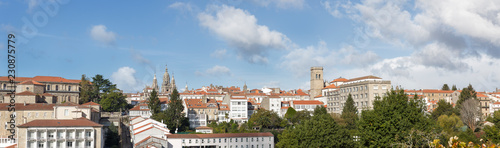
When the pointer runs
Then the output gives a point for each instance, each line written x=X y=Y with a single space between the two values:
x=28 y=112
x=227 y=140
x=317 y=82
x=484 y=103
x=146 y=132
x=141 y=110
x=272 y=103
x=239 y=108
x=41 y=89
x=68 y=133
x=307 y=105
x=364 y=90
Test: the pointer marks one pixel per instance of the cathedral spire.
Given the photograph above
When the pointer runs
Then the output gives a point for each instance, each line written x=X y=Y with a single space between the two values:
x=165 y=86
x=155 y=84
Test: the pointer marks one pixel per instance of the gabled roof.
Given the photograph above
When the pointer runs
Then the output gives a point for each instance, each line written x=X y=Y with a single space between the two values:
x=138 y=108
x=80 y=122
x=26 y=93
x=364 y=77
x=330 y=86
x=340 y=80
x=30 y=82
x=34 y=106
x=90 y=103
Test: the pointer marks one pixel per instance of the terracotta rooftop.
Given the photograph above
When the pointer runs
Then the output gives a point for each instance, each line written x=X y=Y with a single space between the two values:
x=26 y=93
x=90 y=103
x=364 y=77
x=80 y=122
x=30 y=82
x=195 y=103
x=340 y=80
x=203 y=127
x=138 y=108
x=42 y=79
x=330 y=86
x=224 y=135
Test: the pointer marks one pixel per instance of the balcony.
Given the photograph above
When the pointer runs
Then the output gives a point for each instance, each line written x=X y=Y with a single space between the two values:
x=31 y=139
x=89 y=138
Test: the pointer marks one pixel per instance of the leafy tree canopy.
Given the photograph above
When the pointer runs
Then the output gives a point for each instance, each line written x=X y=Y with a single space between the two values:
x=349 y=113
x=467 y=93
x=320 y=131
x=264 y=118
x=290 y=112
x=444 y=108
x=113 y=101
x=154 y=104
x=445 y=87
x=393 y=120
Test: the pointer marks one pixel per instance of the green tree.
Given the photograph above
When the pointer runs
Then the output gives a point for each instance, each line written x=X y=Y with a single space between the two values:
x=112 y=137
x=290 y=113
x=445 y=87
x=174 y=115
x=449 y=124
x=264 y=118
x=113 y=101
x=492 y=133
x=444 y=108
x=454 y=87
x=349 y=113
x=154 y=104
x=395 y=120
x=86 y=92
x=101 y=86
x=319 y=110
x=301 y=116
x=467 y=93
x=320 y=131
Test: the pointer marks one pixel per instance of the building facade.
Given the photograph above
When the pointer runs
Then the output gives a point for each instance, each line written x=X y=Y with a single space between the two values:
x=41 y=89
x=71 y=133
x=227 y=140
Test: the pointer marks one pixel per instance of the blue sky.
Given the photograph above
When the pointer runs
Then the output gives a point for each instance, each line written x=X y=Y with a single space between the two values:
x=265 y=43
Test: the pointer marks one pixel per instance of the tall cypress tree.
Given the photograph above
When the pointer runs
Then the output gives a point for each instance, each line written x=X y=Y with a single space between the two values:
x=349 y=113
x=154 y=103
x=467 y=93
x=174 y=115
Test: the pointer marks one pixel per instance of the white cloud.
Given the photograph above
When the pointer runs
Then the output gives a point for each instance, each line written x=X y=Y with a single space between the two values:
x=101 y=34
x=283 y=4
x=125 y=80
x=239 y=29
x=32 y=4
x=216 y=71
x=219 y=53
x=301 y=59
x=181 y=6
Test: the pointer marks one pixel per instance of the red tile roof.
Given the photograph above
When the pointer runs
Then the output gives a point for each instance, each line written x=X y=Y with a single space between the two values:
x=138 y=108
x=330 y=86
x=318 y=96
x=340 y=80
x=80 y=122
x=480 y=94
x=26 y=93
x=164 y=100
x=224 y=135
x=301 y=93
x=437 y=91
x=195 y=103
x=364 y=77
x=30 y=82
x=145 y=139
x=90 y=103
x=203 y=127
x=42 y=79
x=34 y=106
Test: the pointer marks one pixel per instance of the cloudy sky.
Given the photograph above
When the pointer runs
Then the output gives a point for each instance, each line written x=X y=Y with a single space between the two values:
x=265 y=43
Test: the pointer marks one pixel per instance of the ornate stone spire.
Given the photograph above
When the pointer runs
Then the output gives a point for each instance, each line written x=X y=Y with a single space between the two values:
x=155 y=84
x=165 y=86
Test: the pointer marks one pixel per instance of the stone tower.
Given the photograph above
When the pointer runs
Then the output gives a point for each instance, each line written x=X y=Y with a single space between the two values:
x=155 y=84
x=316 y=81
x=165 y=86
x=172 y=86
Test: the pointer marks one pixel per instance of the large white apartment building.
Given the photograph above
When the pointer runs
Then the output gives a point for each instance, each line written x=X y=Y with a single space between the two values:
x=227 y=140
x=239 y=108
x=69 y=133
x=364 y=90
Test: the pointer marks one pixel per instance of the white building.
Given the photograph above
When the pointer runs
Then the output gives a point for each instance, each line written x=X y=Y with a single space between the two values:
x=71 y=133
x=227 y=140
x=146 y=132
x=140 y=110
x=239 y=108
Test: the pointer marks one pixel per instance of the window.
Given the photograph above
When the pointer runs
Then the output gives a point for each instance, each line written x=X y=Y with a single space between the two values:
x=48 y=87
x=189 y=140
x=66 y=112
x=69 y=88
x=40 y=145
x=57 y=87
x=27 y=88
x=4 y=86
x=196 y=141
x=88 y=143
x=69 y=144
x=87 y=134
x=219 y=140
x=375 y=86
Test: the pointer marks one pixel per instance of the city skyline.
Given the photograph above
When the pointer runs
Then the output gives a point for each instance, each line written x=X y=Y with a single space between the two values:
x=415 y=44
